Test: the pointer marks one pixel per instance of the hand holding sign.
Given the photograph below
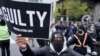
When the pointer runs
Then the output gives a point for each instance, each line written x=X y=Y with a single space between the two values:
x=21 y=41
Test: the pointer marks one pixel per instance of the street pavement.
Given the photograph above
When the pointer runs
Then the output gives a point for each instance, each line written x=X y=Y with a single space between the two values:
x=14 y=50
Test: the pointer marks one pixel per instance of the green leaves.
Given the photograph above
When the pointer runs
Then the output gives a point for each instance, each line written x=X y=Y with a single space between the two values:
x=73 y=8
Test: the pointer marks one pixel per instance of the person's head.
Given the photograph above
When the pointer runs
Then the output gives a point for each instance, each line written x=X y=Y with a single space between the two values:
x=92 y=25
x=57 y=36
x=2 y=22
x=80 y=30
x=57 y=41
x=75 y=24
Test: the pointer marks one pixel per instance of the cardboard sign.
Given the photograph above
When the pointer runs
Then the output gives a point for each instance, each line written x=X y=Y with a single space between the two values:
x=28 y=19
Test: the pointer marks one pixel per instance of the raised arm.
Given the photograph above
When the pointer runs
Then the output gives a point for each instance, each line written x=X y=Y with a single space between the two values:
x=23 y=46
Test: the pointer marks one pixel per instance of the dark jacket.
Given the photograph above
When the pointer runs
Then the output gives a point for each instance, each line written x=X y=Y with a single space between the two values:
x=70 y=31
x=47 y=51
x=82 y=50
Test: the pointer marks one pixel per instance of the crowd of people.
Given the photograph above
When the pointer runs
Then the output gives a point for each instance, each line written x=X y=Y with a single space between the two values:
x=79 y=35
x=74 y=31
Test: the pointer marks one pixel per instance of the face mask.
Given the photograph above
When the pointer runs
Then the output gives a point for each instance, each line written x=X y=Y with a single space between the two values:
x=80 y=32
x=58 y=45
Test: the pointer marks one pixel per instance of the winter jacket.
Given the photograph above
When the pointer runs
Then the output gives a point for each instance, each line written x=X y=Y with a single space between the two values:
x=47 y=51
x=82 y=49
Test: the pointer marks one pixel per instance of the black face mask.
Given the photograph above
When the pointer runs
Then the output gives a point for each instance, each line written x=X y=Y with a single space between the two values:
x=79 y=32
x=58 y=45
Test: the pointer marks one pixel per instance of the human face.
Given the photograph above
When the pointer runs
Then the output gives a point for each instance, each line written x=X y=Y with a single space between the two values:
x=58 y=37
x=92 y=25
x=58 y=42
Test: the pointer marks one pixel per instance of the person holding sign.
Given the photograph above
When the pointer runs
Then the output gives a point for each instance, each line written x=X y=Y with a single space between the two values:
x=57 y=47
x=4 y=39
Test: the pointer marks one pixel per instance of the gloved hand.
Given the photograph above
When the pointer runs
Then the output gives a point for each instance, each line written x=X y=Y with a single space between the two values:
x=94 y=53
x=94 y=40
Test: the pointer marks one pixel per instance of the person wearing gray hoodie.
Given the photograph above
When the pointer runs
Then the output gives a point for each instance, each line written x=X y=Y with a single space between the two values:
x=56 y=47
